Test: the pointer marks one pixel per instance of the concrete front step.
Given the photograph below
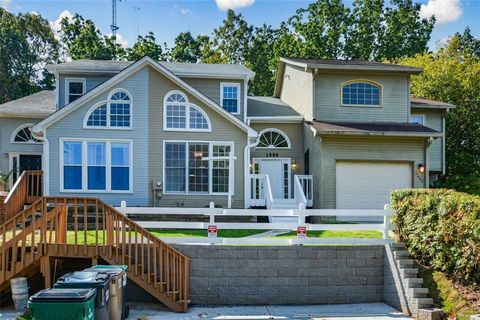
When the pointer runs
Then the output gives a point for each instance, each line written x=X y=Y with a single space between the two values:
x=409 y=272
x=423 y=302
x=405 y=263
x=401 y=254
x=420 y=292
x=414 y=282
x=398 y=246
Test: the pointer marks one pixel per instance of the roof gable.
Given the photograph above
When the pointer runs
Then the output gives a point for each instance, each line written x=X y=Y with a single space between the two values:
x=125 y=73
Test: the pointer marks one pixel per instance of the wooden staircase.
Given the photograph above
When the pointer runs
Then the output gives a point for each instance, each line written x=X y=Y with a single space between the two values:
x=89 y=228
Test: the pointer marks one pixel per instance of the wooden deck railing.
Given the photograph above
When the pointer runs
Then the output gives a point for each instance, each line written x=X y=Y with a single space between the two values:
x=26 y=190
x=77 y=227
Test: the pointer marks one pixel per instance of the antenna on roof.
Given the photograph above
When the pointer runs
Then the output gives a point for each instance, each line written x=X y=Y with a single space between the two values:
x=114 y=26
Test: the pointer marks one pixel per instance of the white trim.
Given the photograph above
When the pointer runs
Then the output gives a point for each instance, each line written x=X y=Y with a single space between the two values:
x=245 y=99
x=67 y=92
x=231 y=168
x=231 y=84
x=107 y=104
x=187 y=105
x=108 y=165
x=346 y=83
x=424 y=117
x=17 y=130
x=283 y=160
x=126 y=73
x=12 y=155
x=283 y=134
x=276 y=119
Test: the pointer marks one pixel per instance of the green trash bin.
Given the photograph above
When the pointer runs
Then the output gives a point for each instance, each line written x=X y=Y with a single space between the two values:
x=97 y=280
x=118 y=308
x=61 y=304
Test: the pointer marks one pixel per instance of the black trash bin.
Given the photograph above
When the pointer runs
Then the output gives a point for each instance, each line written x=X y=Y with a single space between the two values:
x=98 y=280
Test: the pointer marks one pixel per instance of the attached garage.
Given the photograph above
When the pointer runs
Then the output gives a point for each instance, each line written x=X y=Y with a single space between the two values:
x=367 y=185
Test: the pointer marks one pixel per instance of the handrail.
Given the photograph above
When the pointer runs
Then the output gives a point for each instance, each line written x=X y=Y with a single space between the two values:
x=269 y=195
x=298 y=193
x=27 y=189
x=306 y=182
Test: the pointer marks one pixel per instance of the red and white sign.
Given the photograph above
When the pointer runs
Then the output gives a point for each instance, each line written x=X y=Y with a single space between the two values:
x=301 y=232
x=212 y=231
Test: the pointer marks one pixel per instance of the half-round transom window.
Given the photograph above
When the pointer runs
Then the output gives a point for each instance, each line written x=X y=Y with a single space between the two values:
x=180 y=115
x=273 y=139
x=23 y=134
x=361 y=94
x=113 y=113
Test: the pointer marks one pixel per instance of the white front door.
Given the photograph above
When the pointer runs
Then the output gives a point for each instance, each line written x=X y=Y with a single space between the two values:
x=278 y=171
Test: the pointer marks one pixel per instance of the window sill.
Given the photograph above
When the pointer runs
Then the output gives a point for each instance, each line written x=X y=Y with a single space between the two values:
x=97 y=191
x=361 y=106
x=194 y=194
x=109 y=128
x=186 y=130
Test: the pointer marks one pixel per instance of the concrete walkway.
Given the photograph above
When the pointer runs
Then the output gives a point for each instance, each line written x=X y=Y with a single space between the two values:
x=268 y=234
x=377 y=311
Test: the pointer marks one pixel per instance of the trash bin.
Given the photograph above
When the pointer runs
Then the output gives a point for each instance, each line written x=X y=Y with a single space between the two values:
x=97 y=280
x=118 y=308
x=60 y=304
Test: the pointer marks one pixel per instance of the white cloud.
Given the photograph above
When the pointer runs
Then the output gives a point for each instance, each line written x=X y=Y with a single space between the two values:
x=233 y=4
x=445 y=11
x=185 y=12
x=119 y=39
x=5 y=4
x=55 y=25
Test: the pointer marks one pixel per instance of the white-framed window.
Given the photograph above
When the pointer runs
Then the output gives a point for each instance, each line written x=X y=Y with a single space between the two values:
x=180 y=115
x=417 y=118
x=197 y=167
x=361 y=93
x=96 y=165
x=23 y=134
x=272 y=138
x=230 y=97
x=74 y=89
x=115 y=113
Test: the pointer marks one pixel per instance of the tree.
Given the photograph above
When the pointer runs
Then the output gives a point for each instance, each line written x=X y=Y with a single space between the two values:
x=187 y=48
x=454 y=79
x=364 y=30
x=145 y=46
x=83 y=40
x=404 y=33
x=464 y=43
x=27 y=44
x=233 y=38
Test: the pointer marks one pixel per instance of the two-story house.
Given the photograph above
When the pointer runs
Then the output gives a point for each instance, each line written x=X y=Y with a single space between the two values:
x=336 y=134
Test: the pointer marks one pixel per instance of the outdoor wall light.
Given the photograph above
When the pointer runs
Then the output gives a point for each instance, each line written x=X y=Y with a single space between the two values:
x=294 y=164
x=421 y=168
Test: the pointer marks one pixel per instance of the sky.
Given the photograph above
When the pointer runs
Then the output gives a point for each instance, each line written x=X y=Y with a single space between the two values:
x=167 y=18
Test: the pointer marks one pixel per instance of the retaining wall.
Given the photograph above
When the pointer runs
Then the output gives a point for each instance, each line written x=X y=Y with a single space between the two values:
x=251 y=275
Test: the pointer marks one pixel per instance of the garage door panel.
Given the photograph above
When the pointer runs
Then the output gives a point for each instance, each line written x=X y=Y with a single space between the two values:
x=367 y=185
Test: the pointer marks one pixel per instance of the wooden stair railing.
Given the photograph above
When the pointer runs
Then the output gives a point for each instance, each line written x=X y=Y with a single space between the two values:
x=86 y=227
x=26 y=190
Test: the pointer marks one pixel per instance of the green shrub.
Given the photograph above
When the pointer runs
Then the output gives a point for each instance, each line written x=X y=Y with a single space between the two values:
x=441 y=228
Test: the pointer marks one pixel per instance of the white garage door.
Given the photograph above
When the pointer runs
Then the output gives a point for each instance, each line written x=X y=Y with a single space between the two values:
x=367 y=185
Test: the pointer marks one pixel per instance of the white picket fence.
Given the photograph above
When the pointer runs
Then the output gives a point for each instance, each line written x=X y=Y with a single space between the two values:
x=297 y=219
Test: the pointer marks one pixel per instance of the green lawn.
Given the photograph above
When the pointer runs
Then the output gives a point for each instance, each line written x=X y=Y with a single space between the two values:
x=337 y=234
x=234 y=233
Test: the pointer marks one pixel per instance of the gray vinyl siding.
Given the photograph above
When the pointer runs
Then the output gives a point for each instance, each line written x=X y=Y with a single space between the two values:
x=211 y=88
x=91 y=82
x=294 y=131
x=7 y=127
x=222 y=130
x=394 y=106
x=71 y=127
x=297 y=91
x=434 y=120
x=334 y=149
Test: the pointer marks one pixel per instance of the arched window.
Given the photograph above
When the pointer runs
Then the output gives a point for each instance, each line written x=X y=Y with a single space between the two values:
x=113 y=113
x=273 y=139
x=23 y=134
x=180 y=115
x=361 y=93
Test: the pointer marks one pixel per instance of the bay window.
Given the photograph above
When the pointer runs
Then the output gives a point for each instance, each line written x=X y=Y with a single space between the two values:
x=197 y=167
x=96 y=165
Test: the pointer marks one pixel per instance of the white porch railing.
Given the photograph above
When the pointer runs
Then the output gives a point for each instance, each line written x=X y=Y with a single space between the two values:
x=212 y=212
x=306 y=182
x=268 y=192
x=261 y=191
x=298 y=194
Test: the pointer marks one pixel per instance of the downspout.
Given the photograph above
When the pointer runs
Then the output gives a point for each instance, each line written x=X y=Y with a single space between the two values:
x=246 y=160
x=428 y=142
x=245 y=95
x=42 y=136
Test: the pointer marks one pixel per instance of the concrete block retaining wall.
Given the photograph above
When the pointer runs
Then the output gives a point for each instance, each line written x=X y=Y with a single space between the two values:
x=228 y=275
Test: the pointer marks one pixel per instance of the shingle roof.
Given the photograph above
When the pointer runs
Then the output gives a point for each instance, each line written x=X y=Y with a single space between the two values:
x=178 y=68
x=351 y=65
x=373 y=128
x=418 y=102
x=37 y=105
x=268 y=107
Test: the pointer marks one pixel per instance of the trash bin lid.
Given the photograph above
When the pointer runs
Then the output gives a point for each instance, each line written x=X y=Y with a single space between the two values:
x=85 y=277
x=111 y=266
x=63 y=295
x=112 y=271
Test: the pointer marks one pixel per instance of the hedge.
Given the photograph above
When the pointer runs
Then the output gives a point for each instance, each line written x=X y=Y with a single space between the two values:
x=441 y=228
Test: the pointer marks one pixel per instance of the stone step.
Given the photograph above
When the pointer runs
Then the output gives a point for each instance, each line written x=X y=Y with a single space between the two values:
x=419 y=292
x=398 y=246
x=409 y=272
x=423 y=302
x=401 y=254
x=405 y=263
x=414 y=282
